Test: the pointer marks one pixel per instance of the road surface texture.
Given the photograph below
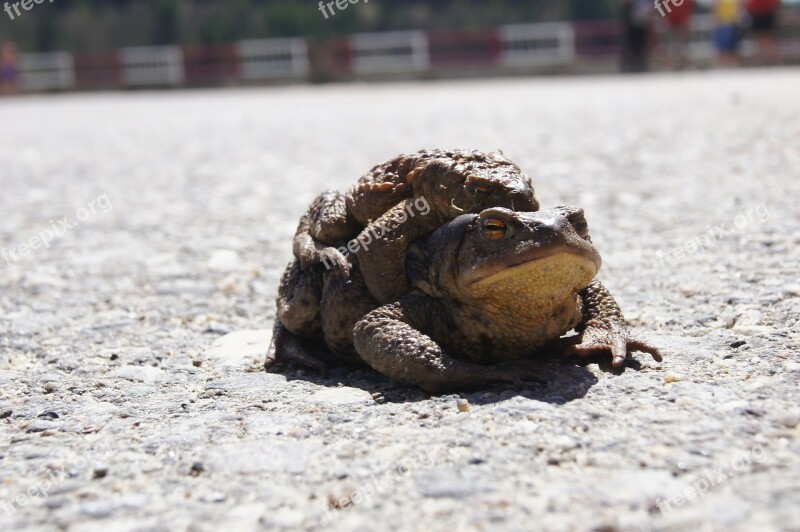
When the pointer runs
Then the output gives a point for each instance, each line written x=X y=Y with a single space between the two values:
x=144 y=234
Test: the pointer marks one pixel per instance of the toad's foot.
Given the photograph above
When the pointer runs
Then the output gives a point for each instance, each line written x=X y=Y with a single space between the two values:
x=286 y=347
x=603 y=329
x=612 y=338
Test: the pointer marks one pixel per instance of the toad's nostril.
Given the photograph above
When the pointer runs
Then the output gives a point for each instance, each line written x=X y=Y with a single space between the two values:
x=576 y=218
x=582 y=228
x=523 y=200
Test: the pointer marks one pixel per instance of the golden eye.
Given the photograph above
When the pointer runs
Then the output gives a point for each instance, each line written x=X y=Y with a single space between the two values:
x=482 y=188
x=493 y=228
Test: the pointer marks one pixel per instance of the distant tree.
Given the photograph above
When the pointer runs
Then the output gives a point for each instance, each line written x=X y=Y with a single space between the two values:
x=165 y=14
x=592 y=9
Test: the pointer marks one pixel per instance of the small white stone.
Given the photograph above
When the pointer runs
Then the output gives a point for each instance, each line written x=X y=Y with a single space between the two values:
x=100 y=408
x=791 y=366
x=240 y=348
x=224 y=260
x=753 y=330
x=673 y=377
x=248 y=457
x=789 y=419
x=730 y=406
x=146 y=374
x=462 y=405
x=341 y=396
x=749 y=317
x=684 y=401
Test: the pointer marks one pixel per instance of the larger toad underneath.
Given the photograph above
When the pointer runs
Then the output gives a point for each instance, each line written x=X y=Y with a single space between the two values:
x=486 y=289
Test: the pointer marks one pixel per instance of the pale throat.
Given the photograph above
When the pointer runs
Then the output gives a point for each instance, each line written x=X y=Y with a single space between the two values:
x=542 y=291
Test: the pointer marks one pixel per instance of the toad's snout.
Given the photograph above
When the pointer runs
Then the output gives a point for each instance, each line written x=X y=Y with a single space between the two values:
x=523 y=199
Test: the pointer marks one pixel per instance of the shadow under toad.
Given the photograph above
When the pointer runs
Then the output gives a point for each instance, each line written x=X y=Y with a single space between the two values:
x=559 y=380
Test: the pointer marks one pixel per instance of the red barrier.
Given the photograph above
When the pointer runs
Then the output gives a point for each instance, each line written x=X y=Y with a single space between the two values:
x=464 y=48
x=98 y=70
x=336 y=57
x=210 y=64
x=601 y=38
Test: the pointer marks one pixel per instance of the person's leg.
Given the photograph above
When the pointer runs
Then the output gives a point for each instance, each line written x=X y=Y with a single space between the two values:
x=670 y=49
x=639 y=50
x=683 y=47
x=763 y=48
x=727 y=40
x=772 y=40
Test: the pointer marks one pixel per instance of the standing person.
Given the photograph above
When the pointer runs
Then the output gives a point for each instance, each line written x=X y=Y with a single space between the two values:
x=764 y=25
x=9 y=68
x=676 y=38
x=727 y=14
x=636 y=24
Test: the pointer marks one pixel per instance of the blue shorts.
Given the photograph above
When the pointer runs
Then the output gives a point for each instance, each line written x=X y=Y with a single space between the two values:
x=726 y=38
x=8 y=74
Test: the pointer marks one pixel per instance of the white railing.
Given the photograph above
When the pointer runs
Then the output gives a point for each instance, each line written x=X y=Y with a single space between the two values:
x=701 y=38
x=152 y=65
x=391 y=52
x=47 y=71
x=407 y=52
x=537 y=44
x=273 y=58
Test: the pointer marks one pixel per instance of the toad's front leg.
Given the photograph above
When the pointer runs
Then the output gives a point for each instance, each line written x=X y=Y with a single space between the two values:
x=603 y=328
x=382 y=246
x=386 y=340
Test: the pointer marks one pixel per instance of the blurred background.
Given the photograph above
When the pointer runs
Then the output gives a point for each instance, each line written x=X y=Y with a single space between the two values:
x=94 y=44
x=110 y=328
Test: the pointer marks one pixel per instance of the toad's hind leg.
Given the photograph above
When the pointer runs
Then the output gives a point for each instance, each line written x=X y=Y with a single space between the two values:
x=386 y=341
x=298 y=322
x=298 y=301
x=326 y=222
x=345 y=300
x=285 y=347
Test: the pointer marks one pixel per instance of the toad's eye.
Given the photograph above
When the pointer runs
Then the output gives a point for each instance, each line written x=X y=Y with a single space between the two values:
x=482 y=188
x=493 y=228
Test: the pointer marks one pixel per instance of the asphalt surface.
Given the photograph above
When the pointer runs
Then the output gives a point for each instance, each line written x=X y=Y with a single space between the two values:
x=143 y=235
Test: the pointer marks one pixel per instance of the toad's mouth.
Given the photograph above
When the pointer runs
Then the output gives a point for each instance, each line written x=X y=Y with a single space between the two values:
x=546 y=263
x=551 y=277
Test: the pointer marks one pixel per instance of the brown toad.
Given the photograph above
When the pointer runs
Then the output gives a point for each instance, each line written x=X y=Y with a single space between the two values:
x=487 y=289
